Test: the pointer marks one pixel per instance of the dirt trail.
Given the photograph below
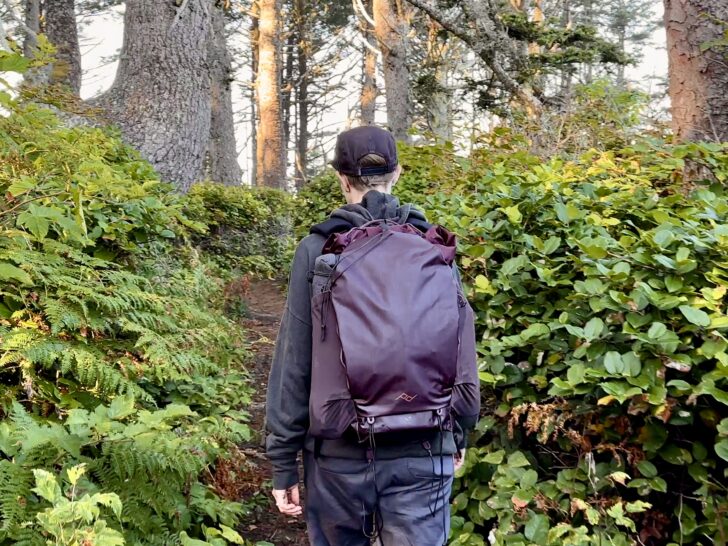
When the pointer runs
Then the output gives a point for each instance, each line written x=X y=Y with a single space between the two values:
x=265 y=302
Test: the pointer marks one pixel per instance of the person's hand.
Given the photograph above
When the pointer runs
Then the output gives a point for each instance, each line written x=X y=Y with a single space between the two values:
x=459 y=459
x=288 y=501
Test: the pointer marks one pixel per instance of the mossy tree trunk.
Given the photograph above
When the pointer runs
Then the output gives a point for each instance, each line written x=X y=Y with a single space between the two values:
x=160 y=98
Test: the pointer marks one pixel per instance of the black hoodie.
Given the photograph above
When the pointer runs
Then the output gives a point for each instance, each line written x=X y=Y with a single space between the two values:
x=290 y=376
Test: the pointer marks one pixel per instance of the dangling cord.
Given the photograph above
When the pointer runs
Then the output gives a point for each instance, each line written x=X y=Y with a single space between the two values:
x=325 y=300
x=378 y=523
x=431 y=506
x=441 y=489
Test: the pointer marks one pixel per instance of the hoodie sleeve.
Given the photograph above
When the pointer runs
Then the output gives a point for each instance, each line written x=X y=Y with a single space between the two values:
x=289 y=382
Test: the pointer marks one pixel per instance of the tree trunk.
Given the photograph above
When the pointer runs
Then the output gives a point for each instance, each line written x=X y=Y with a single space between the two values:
x=302 y=105
x=288 y=85
x=368 y=98
x=254 y=58
x=698 y=73
x=32 y=22
x=32 y=12
x=161 y=95
x=61 y=30
x=222 y=154
x=439 y=103
x=392 y=26
x=271 y=151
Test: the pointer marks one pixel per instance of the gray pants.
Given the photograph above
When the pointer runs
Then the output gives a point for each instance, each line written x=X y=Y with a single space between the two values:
x=406 y=500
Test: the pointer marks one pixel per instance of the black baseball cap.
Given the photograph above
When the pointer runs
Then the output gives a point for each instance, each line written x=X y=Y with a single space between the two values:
x=354 y=144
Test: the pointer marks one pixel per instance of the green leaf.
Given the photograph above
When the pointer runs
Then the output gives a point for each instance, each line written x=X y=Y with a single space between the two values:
x=496 y=457
x=695 y=316
x=721 y=449
x=22 y=185
x=513 y=214
x=537 y=528
x=111 y=500
x=230 y=535
x=593 y=329
x=36 y=224
x=121 y=407
x=513 y=265
x=647 y=469
x=719 y=322
x=13 y=62
x=517 y=459
x=657 y=330
x=676 y=455
x=551 y=245
x=187 y=541
x=613 y=362
x=46 y=485
x=11 y=272
x=482 y=284
x=636 y=507
x=74 y=473
x=632 y=364
x=529 y=479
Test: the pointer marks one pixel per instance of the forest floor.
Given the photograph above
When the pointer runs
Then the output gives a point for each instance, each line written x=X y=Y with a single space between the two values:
x=265 y=302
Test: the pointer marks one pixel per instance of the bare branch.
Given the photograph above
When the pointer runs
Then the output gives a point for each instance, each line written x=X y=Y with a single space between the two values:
x=361 y=10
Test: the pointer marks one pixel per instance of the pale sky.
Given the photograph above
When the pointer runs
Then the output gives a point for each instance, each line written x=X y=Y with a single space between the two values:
x=102 y=38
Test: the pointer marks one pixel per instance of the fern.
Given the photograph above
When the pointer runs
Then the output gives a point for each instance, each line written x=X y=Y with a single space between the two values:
x=103 y=321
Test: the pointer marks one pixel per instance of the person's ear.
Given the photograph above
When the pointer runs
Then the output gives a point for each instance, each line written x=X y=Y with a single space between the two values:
x=343 y=183
x=397 y=174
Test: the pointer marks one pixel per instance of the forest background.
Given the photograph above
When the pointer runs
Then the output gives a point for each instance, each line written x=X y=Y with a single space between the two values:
x=591 y=212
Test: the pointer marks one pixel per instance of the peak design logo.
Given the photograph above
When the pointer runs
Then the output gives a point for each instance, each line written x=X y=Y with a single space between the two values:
x=406 y=397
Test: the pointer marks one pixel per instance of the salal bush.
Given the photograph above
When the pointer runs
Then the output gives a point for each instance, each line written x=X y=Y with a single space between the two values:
x=111 y=355
x=599 y=286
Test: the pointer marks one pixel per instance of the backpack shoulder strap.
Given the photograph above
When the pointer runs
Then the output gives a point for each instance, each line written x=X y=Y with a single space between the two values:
x=422 y=225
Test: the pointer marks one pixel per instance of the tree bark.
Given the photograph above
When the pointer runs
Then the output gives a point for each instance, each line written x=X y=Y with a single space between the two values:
x=62 y=32
x=288 y=84
x=302 y=101
x=271 y=151
x=32 y=23
x=439 y=103
x=698 y=72
x=391 y=27
x=160 y=98
x=254 y=57
x=368 y=97
x=222 y=153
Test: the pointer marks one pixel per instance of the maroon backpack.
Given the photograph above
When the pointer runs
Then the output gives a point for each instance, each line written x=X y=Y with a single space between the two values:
x=391 y=331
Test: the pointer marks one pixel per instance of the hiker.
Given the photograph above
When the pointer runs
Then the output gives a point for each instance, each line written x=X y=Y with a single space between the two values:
x=374 y=376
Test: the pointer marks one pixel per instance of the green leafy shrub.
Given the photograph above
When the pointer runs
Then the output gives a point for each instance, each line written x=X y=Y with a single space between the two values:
x=599 y=289
x=247 y=229
x=112 y=355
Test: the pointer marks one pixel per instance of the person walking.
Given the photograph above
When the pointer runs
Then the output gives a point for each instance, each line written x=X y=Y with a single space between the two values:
x=374 y=376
